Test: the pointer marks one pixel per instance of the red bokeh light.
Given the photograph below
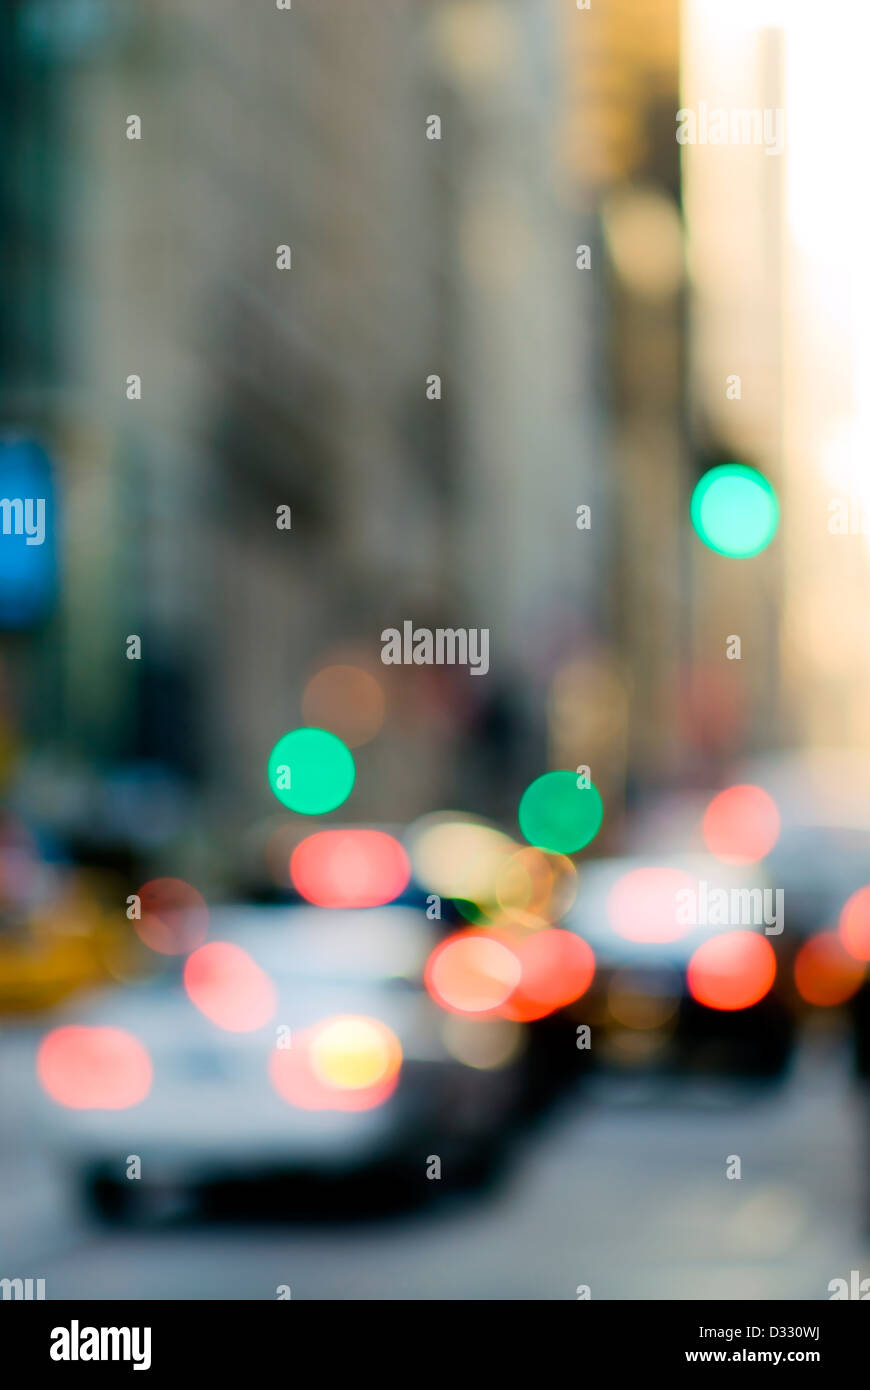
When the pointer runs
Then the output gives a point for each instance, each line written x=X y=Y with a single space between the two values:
x=557 y=968
x=174 y=917
x=350 y=868
x=855 y=924
x=93 y=1068
x=229 y=987
x=824 y=971
x=732 y=971
x=741 y=825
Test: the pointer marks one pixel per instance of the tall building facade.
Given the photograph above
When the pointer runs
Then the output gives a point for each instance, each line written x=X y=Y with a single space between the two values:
x=255 y=261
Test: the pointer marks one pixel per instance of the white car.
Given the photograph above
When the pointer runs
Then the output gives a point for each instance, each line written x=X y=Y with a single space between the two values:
x=213 y=1115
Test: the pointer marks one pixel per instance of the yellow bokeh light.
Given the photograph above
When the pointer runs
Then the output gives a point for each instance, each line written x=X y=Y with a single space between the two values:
x=353 y=1053
x=459 y=857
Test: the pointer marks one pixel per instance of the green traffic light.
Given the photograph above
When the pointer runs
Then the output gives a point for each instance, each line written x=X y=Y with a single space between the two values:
x=735 y=510
x=557 y=815
x=311 y=771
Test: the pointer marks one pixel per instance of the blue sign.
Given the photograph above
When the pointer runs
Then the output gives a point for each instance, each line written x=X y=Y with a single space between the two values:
x=28 y=534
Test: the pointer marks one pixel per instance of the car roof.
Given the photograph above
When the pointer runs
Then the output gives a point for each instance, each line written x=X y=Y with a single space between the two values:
x=365 y=943
x=591 y=916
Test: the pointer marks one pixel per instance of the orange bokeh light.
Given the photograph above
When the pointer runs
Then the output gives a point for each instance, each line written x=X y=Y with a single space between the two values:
x=741 y=825
x=472 y=973
x=349 y=868
x=732 y=971
x=534 y=887
x=347 y=700
x=557 y=968
x=93 y=1068
x=229 y=987
x=824 y=971
x=855 y=924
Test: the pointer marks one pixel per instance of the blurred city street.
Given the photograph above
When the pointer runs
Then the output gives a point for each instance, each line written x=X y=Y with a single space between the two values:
x=434 y=650
x=623 y=1191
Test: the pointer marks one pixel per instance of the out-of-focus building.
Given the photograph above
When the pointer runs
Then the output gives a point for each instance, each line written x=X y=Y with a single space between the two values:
x=781 y=299
x=826 y=629
x=188 y=388
x=526 y=367
x=735 y=158
x=617 y=145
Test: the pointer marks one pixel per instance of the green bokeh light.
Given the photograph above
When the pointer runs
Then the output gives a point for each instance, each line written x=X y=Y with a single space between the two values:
x=311 y=771
x=735 y=510
x=555 y=814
